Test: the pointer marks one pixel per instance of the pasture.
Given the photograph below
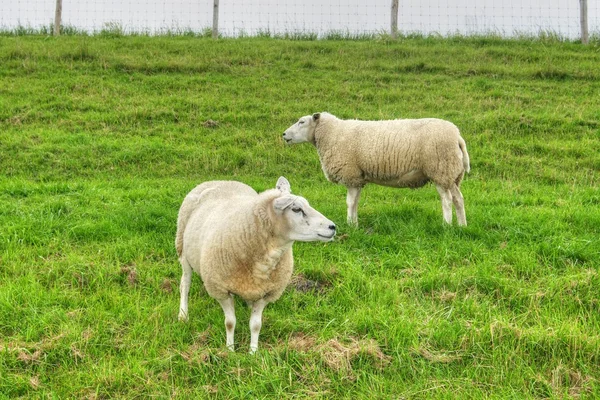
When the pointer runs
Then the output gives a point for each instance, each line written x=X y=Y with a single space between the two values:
x=101 y=137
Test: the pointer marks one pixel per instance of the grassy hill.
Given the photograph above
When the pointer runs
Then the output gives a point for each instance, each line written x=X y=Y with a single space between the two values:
x=102 y=137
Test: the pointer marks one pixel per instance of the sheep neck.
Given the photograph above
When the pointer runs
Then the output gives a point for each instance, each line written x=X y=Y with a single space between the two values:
x=273 y=251
x=271 y=244
x=319 y=137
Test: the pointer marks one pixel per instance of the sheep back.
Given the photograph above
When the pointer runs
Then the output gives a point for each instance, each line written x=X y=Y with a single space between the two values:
x=398 y=153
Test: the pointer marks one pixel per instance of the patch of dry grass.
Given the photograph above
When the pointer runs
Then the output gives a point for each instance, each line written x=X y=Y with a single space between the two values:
x=338 y=355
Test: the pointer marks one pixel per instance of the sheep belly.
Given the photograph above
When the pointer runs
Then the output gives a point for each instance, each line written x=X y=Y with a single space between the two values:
x=412 y=179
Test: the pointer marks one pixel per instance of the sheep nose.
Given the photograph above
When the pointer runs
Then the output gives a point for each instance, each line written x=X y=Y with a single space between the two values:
x=332 y=227
x=283 y=134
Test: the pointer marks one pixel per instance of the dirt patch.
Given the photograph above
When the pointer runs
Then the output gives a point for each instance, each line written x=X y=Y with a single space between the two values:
x=198 y=352
x=209 y=123
x=305 y=285
x=130 y=273
x=167 y=286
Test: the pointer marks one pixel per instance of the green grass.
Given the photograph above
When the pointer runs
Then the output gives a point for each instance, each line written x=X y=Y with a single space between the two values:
x=101 y=138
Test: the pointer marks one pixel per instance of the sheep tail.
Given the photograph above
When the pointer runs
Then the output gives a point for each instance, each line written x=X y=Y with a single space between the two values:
x=463 y=147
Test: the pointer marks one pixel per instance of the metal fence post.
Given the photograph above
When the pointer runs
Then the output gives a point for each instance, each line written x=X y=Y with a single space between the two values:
x=57 y=17
x=394 y=27
x=215 y=27
x=583 y=13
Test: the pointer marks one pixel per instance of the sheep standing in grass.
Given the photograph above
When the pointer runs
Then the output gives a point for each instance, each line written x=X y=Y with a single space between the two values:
x=397 y=153
x=240 y=242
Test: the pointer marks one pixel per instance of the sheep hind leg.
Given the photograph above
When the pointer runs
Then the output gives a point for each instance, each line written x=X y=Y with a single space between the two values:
x=352 y=203
x=184 y=289
x=446 y=198
x=228 y=306
x=256 y=323
x=459 y=205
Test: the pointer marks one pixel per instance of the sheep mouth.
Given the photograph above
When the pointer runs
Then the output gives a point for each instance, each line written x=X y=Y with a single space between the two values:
x=287 y=140
x=326 y=237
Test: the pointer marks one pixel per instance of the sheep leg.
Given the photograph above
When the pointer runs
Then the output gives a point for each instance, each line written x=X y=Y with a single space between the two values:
x=459 y=205
x=352 y=203
x=256 y=323
x=446 y=198
x=228 y=306
x=184 y=289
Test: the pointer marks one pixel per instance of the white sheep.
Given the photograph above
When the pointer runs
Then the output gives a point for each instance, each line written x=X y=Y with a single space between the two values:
x=240 y=242
x=397 y=153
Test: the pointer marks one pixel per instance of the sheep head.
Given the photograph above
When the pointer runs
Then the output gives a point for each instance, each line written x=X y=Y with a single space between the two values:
x=303 y=130
x=297 y=220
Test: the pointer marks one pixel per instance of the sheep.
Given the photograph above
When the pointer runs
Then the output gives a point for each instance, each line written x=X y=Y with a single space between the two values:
x=397 y=153
x=240 y=243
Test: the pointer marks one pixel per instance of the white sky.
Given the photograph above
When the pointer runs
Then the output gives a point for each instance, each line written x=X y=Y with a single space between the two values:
x=278 y=16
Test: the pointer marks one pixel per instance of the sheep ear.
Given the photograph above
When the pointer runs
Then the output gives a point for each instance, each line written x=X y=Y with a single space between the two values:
x=281 y=203
x=283 y=185
x=316 y=116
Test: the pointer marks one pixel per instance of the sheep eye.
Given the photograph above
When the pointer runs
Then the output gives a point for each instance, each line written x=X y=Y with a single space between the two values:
x=296 y=209
x=300 y=122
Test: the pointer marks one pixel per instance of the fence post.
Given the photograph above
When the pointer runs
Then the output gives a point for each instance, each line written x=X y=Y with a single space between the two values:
x=394 y=27
x=215 y=27
x=583 y=13
x=57 y=16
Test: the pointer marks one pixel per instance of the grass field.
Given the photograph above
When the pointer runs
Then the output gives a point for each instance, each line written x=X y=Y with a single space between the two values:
x=102 y=137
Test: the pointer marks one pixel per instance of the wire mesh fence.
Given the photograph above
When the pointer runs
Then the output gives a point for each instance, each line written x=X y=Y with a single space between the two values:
x=349 y=17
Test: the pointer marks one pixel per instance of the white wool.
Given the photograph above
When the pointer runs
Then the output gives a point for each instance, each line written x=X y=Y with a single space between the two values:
x=240 y=243
x=397 y=153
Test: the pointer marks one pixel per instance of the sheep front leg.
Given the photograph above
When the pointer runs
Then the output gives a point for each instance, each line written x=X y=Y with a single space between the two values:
x=256 y=323
x=184 y=289
x=446 y=198
x=228 y=306
x=352 y=203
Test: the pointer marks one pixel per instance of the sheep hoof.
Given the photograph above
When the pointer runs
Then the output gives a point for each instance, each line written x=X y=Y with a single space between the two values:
x=253 y=350
x=183 y=317
x=230 y=348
